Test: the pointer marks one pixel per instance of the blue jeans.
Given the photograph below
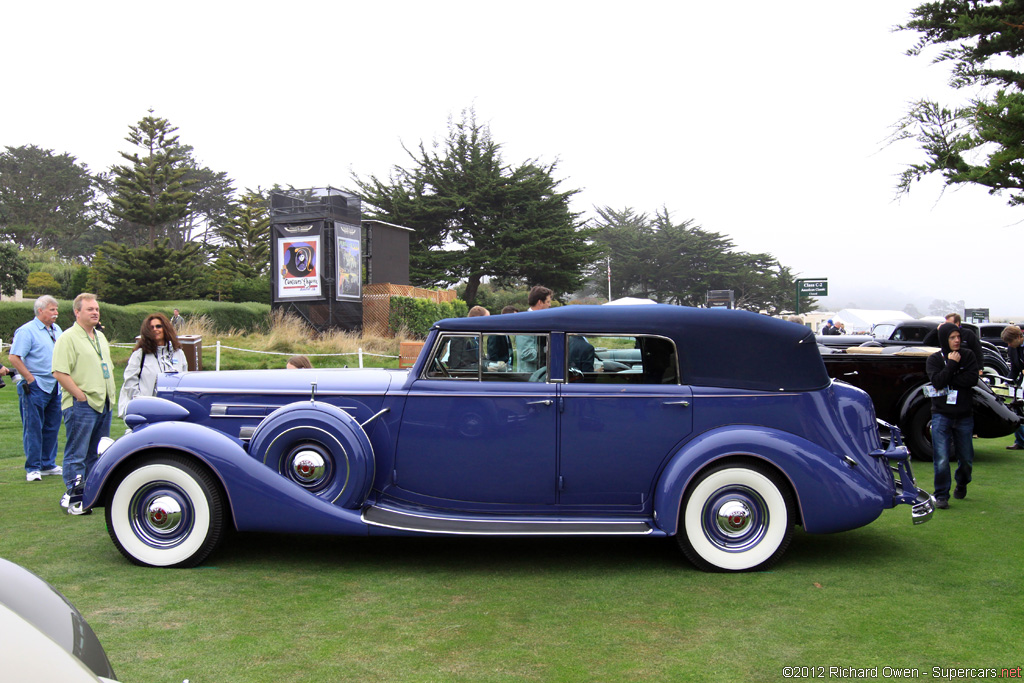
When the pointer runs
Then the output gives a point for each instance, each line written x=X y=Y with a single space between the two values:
x=84 y=427
x=949 y=433
x=1018 y=436
x=40 y=419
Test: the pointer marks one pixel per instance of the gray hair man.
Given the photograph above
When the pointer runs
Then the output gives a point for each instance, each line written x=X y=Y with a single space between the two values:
x=38 y=392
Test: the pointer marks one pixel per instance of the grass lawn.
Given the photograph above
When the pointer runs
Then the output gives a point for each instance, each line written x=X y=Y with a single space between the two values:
x=274 y=608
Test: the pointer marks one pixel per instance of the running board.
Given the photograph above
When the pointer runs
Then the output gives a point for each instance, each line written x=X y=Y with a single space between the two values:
x=499 y=525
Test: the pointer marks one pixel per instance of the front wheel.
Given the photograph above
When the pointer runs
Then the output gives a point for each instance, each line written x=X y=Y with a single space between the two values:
x=917 y=433
x=736 y=517
x=166 y=512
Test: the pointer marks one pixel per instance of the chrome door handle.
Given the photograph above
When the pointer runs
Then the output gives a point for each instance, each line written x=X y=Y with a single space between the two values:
x=545 y=402
x=849 y=374
x=677 y=403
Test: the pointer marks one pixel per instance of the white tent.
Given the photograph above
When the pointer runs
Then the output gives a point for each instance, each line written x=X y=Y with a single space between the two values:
x=629 y=301
x=860 y=320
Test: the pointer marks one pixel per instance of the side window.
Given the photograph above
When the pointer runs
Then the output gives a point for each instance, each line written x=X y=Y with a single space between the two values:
x=530 y=355
x=883 y=331
x=580 y=357
x=622 y=360
x=515 y=358
x=498 y=353
x=455 y=357
x=915 y=334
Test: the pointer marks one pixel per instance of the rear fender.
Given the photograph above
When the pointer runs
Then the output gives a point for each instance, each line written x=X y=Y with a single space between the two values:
x=260 y=499
x=831 y=495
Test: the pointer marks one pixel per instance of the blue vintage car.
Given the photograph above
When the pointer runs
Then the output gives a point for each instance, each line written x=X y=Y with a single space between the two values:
x=718 y=427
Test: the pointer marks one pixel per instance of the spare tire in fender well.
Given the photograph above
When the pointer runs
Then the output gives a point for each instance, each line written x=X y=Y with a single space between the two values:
x=320 y=447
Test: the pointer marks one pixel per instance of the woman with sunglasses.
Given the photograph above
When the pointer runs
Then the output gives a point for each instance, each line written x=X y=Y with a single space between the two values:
x=157 y=351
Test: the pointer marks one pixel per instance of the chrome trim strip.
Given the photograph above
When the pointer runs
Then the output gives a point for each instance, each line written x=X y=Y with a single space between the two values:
x=195 y=391
x=221 y=409
x=761 y=395
x=525 y=523
x=505 y=520
x=648 y=531
x=374 y=417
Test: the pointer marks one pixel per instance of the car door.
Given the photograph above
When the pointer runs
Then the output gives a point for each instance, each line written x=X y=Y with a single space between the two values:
x=484 y=436
x=620 y=422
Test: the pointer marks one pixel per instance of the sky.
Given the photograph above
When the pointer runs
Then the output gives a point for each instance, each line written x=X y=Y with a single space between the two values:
x=766 y=122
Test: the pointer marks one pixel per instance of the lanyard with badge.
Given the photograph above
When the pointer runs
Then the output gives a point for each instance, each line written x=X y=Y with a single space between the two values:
x=96 y=345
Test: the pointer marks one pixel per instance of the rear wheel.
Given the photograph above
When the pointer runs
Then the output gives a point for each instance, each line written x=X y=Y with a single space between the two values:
x=166 y=512
x=736 y=517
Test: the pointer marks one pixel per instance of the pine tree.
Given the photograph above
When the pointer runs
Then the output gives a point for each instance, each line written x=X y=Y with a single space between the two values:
x=474 y=216
x=126 y=275
x=981 y=142
x=245 y=238
x=152 y=193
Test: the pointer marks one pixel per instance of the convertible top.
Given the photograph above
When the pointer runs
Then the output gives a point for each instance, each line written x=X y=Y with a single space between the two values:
x=717 y=346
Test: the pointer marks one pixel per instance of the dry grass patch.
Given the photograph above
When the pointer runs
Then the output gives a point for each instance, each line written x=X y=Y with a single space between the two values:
x=288 y=334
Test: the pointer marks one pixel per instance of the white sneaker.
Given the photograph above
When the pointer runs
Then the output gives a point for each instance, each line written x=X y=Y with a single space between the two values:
x=33 y=476
x=52 y=471
x=64 y=500
x=76 y=509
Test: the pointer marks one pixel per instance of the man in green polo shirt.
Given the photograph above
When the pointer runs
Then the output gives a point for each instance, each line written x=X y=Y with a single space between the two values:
x=82 y=365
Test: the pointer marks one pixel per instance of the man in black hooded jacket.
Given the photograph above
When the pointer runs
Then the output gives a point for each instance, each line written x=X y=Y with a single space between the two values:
x=953 y=372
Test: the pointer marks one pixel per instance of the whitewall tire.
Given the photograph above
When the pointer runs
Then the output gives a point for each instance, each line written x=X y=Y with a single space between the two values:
x=166 y=512
x=736 y=517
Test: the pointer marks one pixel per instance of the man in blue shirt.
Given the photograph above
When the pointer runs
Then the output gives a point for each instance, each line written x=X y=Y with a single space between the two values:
x=38 y=392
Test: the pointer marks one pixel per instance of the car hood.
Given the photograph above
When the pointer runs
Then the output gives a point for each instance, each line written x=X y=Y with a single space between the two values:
x=299 y=382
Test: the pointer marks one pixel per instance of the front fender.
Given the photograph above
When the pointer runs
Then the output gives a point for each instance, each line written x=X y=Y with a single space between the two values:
x=911 y=402
x=831 y=495
x=260 y=499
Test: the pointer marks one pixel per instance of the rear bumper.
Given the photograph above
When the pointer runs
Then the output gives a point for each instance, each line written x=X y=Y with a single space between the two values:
x=907 y=493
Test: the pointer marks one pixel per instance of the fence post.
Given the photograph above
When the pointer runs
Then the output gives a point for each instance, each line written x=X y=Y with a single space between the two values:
x=360 y=356
x=218 y=355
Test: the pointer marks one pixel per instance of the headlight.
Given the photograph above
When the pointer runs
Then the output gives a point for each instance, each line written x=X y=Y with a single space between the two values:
x=105 y=443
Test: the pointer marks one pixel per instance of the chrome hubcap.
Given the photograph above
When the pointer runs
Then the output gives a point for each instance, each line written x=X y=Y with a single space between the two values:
x=733 y=517
x=164 y=513
x=308 y=467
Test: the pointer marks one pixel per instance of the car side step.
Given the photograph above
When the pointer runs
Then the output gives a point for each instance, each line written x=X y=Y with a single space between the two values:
x=498 y=525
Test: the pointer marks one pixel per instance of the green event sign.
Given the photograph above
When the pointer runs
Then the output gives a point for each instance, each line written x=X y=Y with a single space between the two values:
x=810 y=287
x=817 y=287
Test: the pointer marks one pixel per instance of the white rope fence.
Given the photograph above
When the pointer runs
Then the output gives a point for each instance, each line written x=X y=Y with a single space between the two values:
x=360 y=354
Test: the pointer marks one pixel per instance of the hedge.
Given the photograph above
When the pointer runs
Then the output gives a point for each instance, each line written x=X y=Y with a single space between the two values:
x=419 y=315
x=122 y=323
x=244 y=317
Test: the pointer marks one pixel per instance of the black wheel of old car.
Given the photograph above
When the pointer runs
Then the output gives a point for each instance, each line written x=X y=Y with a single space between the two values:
x=737 y=516
x=995 y=369
x=166 y=511
x=918 y=432
x=319 y=447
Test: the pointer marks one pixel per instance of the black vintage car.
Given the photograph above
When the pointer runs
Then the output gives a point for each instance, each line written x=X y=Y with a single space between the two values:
x=901 y=333
x=991 y=333
x=894 y=377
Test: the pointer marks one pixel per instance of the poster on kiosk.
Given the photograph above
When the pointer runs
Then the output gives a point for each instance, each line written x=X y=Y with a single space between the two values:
x=299 y=274
x=350 y=272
